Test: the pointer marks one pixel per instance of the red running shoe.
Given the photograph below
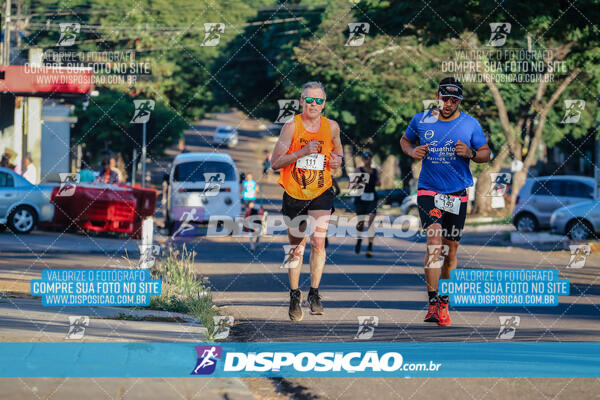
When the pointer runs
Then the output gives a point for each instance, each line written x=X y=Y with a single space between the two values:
x=443 y=314
x=432 y=313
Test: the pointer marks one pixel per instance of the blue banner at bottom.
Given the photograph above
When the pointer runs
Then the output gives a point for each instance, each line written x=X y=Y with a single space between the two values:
x=311 y=359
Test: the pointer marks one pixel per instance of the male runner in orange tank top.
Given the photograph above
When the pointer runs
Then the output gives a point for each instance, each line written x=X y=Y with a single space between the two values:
x=308 y=148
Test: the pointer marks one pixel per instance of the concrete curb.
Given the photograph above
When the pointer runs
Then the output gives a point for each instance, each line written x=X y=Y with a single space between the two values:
x=559 y=242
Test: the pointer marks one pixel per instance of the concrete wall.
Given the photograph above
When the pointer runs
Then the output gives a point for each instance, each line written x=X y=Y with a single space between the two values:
x=55 y=139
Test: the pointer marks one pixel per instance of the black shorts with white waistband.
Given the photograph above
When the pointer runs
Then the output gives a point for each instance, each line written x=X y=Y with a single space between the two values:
x=452 y=224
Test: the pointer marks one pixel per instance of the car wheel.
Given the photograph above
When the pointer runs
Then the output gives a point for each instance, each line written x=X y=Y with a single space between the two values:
x=580 y=230
x=413 y=210
x=22 y=219
x=526 y=223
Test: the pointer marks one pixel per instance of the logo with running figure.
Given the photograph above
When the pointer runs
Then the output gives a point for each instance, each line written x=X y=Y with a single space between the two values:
x=430 y=111
x=222 y=325
x=499 y=182
x=287 y=110
x=68 y=33
x=212 y=33
x=68 y=184
x=186 y=225
x=366 y=326
x=500 y=31
x=207 y=359
x=77 y=325
x=573 y=110
x=293 y=256
x=212 y=183
x=148 y=255
x=436 y=254
x=143 y=108
x=579 y=253
x=357 y=31
x=508 y=326
x=357 y=182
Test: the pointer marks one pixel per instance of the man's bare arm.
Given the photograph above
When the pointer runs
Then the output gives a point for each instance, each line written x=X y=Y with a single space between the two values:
x=279 y=157
x=338 y=152
x=337 y=140
x=410 y=149
x=483 y=154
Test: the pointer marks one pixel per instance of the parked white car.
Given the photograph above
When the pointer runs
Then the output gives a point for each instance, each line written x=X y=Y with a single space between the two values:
x=202 y=185
x=23 y=204
x=579 y=221
x=541 y=196
x=227 y=135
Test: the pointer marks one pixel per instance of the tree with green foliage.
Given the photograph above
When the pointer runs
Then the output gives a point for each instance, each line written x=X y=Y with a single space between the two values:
x=257 y=68
x=520 y=116
x=104 y=127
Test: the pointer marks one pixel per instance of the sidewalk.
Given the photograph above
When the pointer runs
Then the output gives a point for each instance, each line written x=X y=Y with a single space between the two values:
x=26 y=320
x=42 y=242
x=124 y=388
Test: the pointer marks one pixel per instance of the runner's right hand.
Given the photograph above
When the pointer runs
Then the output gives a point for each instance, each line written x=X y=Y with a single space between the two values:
x=420 y=152
x=311 y=148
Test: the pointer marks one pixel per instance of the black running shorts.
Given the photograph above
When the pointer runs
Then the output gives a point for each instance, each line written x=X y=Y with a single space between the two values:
x=292 y=207
x=452 y=224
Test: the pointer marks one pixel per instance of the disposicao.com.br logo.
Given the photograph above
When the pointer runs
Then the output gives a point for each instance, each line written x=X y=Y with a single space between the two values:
x=284 y=363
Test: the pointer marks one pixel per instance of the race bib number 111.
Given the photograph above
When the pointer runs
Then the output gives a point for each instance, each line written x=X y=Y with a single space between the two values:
x=311 y=161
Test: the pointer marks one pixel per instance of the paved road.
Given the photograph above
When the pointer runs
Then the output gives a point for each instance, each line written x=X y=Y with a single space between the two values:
x=252 y=287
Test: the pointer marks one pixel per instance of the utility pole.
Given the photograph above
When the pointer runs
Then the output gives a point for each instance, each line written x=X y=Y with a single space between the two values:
x=6 y=47
x=597 y=151
x=133 y=166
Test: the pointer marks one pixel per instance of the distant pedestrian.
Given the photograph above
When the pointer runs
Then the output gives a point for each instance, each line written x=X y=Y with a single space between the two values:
x=113 y=166
x=267 y=163
x=30 y=171
x=5 y=162
x=107 y=175
x=86 y=175
x=249 y=189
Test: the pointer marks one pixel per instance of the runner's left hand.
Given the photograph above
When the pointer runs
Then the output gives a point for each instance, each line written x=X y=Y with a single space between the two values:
x=335 y=161
x=463 y=150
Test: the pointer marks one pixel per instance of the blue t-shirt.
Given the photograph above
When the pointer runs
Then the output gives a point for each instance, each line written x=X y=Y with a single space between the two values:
x=249 y=190
x=442 y=170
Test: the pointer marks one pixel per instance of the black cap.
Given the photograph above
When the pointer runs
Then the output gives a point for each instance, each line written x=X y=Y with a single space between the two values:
x=451 y=87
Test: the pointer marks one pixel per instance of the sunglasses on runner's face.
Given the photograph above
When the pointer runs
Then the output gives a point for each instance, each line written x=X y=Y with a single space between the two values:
x=453 y=100
x=310 y=100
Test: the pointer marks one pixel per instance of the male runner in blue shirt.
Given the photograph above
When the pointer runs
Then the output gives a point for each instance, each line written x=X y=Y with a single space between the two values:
x=448 y=140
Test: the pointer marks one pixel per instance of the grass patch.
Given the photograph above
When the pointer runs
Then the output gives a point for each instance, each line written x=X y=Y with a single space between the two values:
x=182 y=290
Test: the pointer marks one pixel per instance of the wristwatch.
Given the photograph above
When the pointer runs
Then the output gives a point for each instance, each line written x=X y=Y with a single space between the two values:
x=474 y=154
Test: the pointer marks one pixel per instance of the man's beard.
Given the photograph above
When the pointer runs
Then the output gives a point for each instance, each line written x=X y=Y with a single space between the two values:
x=451 y=114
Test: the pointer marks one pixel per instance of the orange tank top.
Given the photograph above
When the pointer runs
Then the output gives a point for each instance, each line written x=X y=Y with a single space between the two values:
x=307 y=183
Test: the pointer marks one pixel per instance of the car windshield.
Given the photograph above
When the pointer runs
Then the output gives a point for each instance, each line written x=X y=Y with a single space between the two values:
x=194 y=171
